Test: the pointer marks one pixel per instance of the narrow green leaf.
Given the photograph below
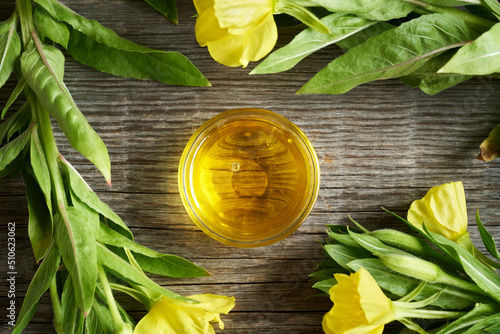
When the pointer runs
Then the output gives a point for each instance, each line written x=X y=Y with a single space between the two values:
x=40 y=167
x=166 y=7
x=490 y=325
x=100 y=47
x=374 y=245
x=125 y=271
x=323 y=274
x=429 y=80
x=344 y=254
x=394 y=53
x=81 y=189
x=99 y=320
x=325 y=285
x=493 y=6
x=43 y=67
x=10 y=49
x=39 y=284
x=401 y=285
x=72 y=316
x=342 y=238
x=363 y=35
x=478 y=313
x=40 y=225
x=75 y=239
x=483 y=276
x=380 y=10
x=92 y=216
x=309 y=41
x=50 y=27
x=480 y=57
x=150 y=260
x=6 y=25
x=17 y=123
x=487 y=238
x=13 y=97
x=11 y=150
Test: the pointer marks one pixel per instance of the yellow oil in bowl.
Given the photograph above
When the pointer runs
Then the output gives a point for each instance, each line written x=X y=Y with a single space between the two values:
x=248 y=177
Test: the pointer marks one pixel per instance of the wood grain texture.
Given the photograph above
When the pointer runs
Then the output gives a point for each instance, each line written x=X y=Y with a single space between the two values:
x=381 y=145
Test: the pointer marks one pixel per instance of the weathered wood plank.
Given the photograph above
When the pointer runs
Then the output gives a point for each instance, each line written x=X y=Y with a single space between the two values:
x=381 y=145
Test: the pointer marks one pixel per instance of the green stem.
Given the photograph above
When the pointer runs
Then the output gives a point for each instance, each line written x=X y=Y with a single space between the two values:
x=51 y=152
x=466 y=16
x=56 y=305
x=302 y=14
x=26 y=17
x=459 y=283
x=115 y=314
x=401 y=311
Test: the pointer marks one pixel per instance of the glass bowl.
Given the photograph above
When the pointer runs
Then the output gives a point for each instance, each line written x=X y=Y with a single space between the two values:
x=249 y=177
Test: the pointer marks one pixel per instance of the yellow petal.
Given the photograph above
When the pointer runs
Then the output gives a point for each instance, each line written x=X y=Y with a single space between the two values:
x=207 y=28
x=360 y=306
x=214 y=303
x=443 y=209
x=240 y=16
x=202 y=5
x=236 y=50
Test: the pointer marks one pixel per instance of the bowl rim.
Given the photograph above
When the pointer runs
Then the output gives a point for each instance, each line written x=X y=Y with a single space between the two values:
x=190 y=151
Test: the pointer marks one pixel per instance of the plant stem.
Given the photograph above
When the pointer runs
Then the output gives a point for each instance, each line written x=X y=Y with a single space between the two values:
x=401 y=311
x=466 y=16
x=56 y=305
x=115 y=314
x=51 y=152
x=26 y=17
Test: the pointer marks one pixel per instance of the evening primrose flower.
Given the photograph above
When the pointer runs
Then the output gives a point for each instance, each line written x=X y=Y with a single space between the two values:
x=236 y=31
x=239 y=31
x=175 y=317
x=359 y=306
x=443 y=210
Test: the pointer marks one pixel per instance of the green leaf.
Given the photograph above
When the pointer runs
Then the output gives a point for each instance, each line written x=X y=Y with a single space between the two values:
x=344 y=254
x=150 y=260
x=75 y=239
x=380 y=10
x=126 y=272
x=166 y=7
x=493 y=6
x=325 y=285
x=374 y=245
x=401 y=285
x=394 y=53
x=483 y=276
x=81 y=190
x=50 y=27
x=323 y=274
x=43 y=69
x=10 y=49
x=40 y=224
x=99 y=47
x=487 y=238
x=17 y=123
x=6 y=25
x=309 y=41
x=99 y=320
x=40 y=167
x=480 y=57
x=39 y=284
x=72 y=316
x=490 y=325
x=363 y=35
x=478 y=313
x=429 y=81
x=13 y=97
x=11 y=150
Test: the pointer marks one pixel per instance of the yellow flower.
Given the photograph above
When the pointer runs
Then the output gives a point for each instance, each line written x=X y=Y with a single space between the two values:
x=359 y=306
x=443 y=210
x=236 y=31
x=174 y=317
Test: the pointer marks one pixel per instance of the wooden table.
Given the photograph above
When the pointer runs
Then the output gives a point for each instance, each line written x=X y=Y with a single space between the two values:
x=382 y=144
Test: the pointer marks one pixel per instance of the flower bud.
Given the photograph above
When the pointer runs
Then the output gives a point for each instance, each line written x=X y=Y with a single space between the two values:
x=412 y=266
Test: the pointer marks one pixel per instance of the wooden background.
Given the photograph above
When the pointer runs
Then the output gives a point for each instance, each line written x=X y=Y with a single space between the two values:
x=382 y=144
